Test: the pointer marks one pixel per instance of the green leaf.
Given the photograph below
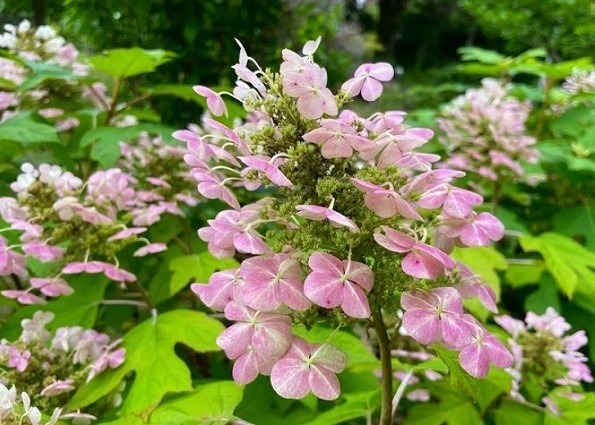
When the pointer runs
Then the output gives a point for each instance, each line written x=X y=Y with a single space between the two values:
x=577 y=222
x=151 y=356
x=78 y=309
x=358 y=405
x=211 y=403
x=195 y=268
x=573 y=412
x=25 y=130
x=569 y=262
x=124 y=63
x=453 y=408
x=460 y=380
x=518 y=275
x=42 y=71
x=510 y=413
x=478 y=54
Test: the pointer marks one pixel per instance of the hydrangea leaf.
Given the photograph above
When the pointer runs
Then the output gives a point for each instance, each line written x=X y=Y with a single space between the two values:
x=510 y=413
x=150 y=355
x=124 y=63
x=356 y=405
x=567 y=261
x=572 y=412
x=460 y=380
x=453 y=408
x=211 y=403
x=25 y=130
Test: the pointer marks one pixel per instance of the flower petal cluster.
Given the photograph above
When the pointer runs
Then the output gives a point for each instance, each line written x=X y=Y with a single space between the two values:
x=356 y=215
x=70 y=355
x=545 y=353
x=484 y=132
x=54 y=217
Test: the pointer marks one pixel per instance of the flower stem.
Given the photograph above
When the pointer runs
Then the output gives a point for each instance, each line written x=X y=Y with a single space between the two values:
x=386 y=414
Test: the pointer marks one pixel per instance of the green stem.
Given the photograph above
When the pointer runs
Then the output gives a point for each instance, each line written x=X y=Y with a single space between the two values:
x=386 y=414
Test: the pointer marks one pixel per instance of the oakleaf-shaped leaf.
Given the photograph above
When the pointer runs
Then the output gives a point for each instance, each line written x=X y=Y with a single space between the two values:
x=453 y=408
x=124 y=63
x=571 y=265
x=212 y=403
x=151 y=356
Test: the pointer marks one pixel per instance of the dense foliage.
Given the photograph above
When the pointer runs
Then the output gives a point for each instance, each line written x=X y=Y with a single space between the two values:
x=303 y=252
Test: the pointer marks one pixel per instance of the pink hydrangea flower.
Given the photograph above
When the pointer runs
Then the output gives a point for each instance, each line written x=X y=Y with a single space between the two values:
x=51 y=287
x=255 y=342
x=272 y=281
x=223 y=287
x=482 y=350
x=43 y=252
x=270 y=169
x=456 y=202
x=150 y=249
x=385 y=202
x=214 y=101
x=334 y=283
x=367 y=80
x=23 y=297
x=308 y=367
x=231 y=231
x=432 y=316
x=211 y=185
x=318 y=213
x=313 y=97
x=58 y=387
x=474 y=230
x=337 y=139
x=126 y=233
x=422 y=261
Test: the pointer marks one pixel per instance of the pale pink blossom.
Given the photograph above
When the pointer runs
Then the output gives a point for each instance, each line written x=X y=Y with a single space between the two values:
x=308 y=368
x=271 y=281
x=422 y=260
x=318 y=213
x=214 y=101
x=334 y=283
x=367 y=80
x=256 y=341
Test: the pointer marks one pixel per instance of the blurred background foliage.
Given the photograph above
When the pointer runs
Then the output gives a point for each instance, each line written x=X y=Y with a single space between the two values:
x=420 y=36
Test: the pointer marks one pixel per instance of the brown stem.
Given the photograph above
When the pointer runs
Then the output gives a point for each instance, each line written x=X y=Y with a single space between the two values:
x=115 y=93
x=386 y=414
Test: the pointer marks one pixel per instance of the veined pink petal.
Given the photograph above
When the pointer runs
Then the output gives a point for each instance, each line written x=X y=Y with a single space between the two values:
x=422 y=325
x=355 y=302
x=475 y=360
x=290 y=378
x=324 y=383
x=245 y=369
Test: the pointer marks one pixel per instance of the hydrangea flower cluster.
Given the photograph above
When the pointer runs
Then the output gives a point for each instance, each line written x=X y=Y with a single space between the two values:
x=68 y=357
x=544 y=356
x=17 y=409
x=484 y=132
x=352 y=228
x=80 y=227
x=580 y=82
x=160 y=171
x=41 y=44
